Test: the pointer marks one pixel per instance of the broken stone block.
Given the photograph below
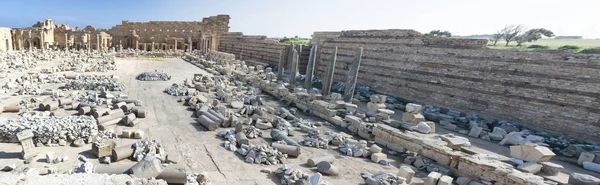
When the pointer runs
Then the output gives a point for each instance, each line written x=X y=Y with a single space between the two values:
x=376 y=157
x=26 y=139
x=550 y=168
x=451 y=127
x=423 y=127
x=236 y=104
x=50 y=157
x=463 y=180
x=585 y=157
x=531 y=152
x=445 y=180
x=495 y=136
x=591 y=166
x=583 y=179
x=475 y=131
x=411 y=118
x=375 y=149
x=138 y=134
x=530 y=167
x=149 y=167
x=406 y=172
x=127 y=134
x=432 y=178
x=101 y=149
x=455 y=142
x=413 y=108
x=513 y=138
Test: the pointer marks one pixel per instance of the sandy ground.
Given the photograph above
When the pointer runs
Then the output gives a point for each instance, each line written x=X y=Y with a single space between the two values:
x=169 y=122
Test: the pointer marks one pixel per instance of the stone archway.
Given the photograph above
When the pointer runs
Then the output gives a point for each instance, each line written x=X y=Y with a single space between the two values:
x=36 y=42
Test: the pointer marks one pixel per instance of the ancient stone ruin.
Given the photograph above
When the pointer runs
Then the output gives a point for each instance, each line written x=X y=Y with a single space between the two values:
x=191 y=103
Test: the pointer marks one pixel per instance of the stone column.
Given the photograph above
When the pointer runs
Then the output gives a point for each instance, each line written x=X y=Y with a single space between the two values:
x=120 y=45
x=190 y=44
x=328 y=78
x=66 y=42
x=299 y=50
x=152 y=46
x=293 y=75
x=289 y=58
x=89 y=42
x=42 y=40
x=98 y=42
x=145 y=47
x=310 y=67
x=137 y=44
x=281 y=66
x=352 y=76
x=175 y=47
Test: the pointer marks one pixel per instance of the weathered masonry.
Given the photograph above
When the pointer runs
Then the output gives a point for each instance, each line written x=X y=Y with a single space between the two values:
x=165 y=35
x=556 y=91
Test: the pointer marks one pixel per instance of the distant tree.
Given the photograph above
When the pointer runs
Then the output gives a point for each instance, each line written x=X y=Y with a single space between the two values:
x=510 y=32
x=438 y=33
x=569 y=47
x=497 y=36
x=533 y=35
x=296 y=37
x=38 y=24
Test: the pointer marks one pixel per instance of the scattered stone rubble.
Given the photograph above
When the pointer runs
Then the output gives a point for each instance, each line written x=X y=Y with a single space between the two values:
x=259 y=154
x=154 y=76
x=95 y=82
x=49 y=130
x=291 y=176
x=145 y=148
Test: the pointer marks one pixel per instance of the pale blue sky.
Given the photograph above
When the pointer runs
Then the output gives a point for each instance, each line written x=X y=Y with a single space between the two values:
x=276 y=18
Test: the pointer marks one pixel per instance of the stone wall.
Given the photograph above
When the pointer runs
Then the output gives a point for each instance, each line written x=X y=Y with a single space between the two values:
x=252 y=47
x=555 y=91
x=6 y=43
x=169 y=32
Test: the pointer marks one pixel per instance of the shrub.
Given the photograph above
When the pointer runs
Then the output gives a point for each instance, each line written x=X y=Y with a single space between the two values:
x=591 y=51
x=535 y=46
x=569 y=47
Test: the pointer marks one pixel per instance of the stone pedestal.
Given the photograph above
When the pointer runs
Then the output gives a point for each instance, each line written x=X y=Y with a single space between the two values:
x=26 y=140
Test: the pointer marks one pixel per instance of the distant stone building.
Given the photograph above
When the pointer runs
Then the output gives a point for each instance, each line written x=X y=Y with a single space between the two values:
x=60 y=36
x=165 y=35
x=5 y=39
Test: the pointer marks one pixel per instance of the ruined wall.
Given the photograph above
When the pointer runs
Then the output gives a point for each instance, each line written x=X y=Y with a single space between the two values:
x=6 y=43
x=252 y=47
x=159 y=31
x=556 y=91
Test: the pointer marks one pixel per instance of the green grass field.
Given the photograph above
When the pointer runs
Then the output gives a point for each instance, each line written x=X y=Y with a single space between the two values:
x=551 y=43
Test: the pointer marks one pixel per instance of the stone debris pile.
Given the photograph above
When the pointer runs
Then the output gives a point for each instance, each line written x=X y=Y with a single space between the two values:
x=145 y=148
x=154 y=76
x=382 y=178
x=177 y=90
x=292 y=176
x=95 y=82
x=49 y=130
x=259 y=154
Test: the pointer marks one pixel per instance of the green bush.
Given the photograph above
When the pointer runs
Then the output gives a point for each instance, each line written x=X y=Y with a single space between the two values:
x=569 y=47
x=590 y=51
x=535 y=46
